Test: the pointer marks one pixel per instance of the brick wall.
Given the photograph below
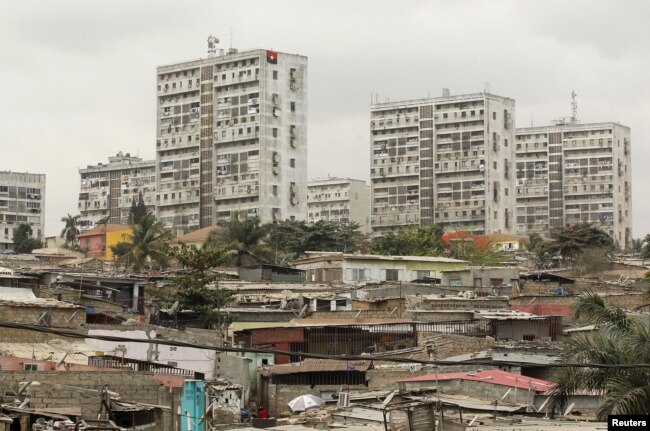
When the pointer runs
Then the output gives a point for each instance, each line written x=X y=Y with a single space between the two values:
x=80 y=388
x=386 y=378
x=616 y=299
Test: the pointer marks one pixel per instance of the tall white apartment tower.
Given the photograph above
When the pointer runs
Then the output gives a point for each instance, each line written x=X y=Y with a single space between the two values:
x=22 y=200
x=445 y=160
x=573 y=173
x=232 y=138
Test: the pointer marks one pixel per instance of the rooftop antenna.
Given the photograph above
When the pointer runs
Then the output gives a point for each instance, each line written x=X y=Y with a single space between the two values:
x=212 y=46
x=487 y=87
x=574 y=108
x=230 y=37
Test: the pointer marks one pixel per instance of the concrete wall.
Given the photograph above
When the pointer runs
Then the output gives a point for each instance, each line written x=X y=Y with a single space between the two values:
x=488 y=276
x=237 y=370
x=81 y=389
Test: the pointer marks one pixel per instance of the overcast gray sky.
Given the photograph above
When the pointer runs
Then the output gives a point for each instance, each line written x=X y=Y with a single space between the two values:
x=77 y=78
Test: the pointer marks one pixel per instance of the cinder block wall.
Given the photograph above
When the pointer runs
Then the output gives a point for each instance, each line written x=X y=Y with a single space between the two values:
x=446 y=345
x=30 y=315
x=81 y=388
x=203 y=337
x=72 y=295
x=279 y=395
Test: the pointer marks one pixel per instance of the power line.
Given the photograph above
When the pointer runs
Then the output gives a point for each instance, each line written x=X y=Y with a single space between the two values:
x=368 y=357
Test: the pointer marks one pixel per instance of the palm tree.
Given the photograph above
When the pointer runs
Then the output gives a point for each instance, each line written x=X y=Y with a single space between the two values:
x=71 y=230
x=620 y=342
x=148 y=241
x=245 y=238
x=636 y=245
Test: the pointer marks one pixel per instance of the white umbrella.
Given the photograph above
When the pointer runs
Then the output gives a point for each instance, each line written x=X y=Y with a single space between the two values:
x=304 y=402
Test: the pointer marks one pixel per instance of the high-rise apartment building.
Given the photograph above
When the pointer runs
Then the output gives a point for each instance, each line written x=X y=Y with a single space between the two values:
x=107 y=190
x=573 y=173
x=341 y=200
x=232 y=138
x=444 y=160
x=22 y=200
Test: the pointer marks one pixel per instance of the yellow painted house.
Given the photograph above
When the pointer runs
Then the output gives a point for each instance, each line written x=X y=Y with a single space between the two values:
x=97 y=241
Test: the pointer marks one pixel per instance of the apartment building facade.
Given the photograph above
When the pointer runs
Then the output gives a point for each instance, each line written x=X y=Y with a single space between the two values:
x=107 y=190
x=444 y=160
x=573 y=173
x=342 y=200
x=22 y=200
x=232 y=138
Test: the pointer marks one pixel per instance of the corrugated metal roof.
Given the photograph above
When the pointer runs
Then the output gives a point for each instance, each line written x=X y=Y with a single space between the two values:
x=318 y=366
x=496 y=377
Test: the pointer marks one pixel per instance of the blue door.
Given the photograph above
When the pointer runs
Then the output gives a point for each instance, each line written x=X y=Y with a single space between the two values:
x=192 y=406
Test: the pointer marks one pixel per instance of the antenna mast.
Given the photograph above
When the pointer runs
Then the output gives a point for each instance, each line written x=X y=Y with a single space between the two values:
x=574 y=108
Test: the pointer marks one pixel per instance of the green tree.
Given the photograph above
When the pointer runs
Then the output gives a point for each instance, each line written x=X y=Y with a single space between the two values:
x=120 y=250
x=645 y=252
x=620 y=341
x=636 y=246
x=138 y=210
x=71 y=229
x=535 y=241
x=198 y=288
x=591 y=261
x=245 y=237
x=147 y=242
x=23 y=241
x=296 y=237
x=570 y=241
x=413 y=240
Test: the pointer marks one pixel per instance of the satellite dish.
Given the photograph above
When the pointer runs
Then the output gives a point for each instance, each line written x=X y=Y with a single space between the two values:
x=174 y=308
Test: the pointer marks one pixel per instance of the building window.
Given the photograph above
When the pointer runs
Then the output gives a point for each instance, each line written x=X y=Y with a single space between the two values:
x=392 y=275
x=275 y=132
x=292 y=163
x=275 y=74
x=293 y=106
x=421 y=275
x=275 y=190
x=357 y=274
